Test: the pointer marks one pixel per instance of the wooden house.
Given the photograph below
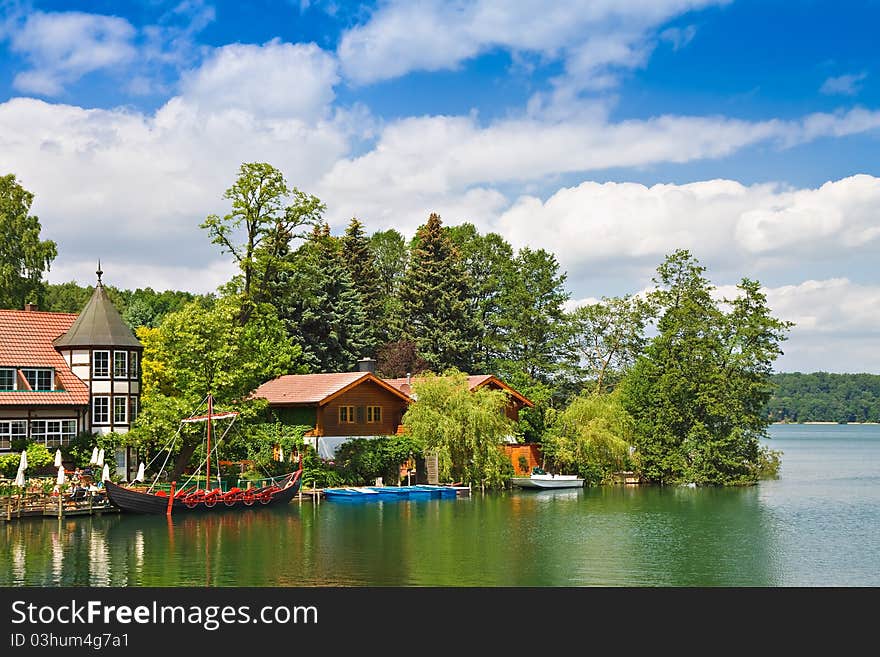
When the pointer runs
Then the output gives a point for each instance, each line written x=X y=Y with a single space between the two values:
x=339 y=406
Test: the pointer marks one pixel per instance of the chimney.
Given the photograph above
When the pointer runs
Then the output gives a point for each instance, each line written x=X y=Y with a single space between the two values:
x=30 y=307
x=408 y=375
x=366 y=365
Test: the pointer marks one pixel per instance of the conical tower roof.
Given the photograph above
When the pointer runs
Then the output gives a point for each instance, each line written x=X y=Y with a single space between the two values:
x=99 y=324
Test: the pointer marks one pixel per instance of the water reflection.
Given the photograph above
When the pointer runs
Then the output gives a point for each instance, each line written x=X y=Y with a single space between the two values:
x=811 y=527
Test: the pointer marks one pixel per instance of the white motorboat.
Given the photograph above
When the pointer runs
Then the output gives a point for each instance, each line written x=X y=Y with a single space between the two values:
x=544 y=480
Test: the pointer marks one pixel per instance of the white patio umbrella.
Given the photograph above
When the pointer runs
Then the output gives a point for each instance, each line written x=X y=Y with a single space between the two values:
x=61 y=477
x=140 y=474
x=19 y=479
x=281 y=454
x=57 y=458
x=100 y=460
x=94 y=459
x=105 y=475
x=22 y=464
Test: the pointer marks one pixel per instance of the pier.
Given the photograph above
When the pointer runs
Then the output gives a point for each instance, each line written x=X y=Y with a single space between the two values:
x=42 y=505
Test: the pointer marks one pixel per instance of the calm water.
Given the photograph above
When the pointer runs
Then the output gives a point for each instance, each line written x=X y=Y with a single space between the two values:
x=817 y=525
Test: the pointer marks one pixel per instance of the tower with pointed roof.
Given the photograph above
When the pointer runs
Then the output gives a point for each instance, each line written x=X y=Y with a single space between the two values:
x=104 y=353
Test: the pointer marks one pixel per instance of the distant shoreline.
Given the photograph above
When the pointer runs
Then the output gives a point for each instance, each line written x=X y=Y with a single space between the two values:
x=825 y=423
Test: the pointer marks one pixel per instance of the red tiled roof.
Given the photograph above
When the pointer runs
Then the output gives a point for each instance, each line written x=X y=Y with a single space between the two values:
x=305 y=388
x=309 y=389
x=26 y=341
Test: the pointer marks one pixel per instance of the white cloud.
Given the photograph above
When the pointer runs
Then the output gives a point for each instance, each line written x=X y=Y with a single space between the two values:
x=590 y=36
x=846 y=85
x=597 y=227
x=275 y=79
x=62 y=47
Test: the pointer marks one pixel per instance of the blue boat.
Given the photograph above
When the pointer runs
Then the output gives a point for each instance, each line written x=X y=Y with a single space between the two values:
x=376 y=493
x=352 y=493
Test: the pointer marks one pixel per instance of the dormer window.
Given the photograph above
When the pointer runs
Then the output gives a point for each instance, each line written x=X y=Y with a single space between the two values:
x=7 y=378
x=39 y=380
x=101 y=364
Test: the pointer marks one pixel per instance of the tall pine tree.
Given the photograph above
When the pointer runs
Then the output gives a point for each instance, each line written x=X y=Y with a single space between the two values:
x=434 y=301
x=322 y=307
x=361 y=265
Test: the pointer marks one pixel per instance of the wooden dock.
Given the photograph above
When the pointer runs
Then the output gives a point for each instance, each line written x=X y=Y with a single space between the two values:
x=41 y=505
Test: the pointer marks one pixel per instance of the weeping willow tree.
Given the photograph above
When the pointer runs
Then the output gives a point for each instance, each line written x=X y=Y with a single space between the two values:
x=465 y=429
x=591 y=437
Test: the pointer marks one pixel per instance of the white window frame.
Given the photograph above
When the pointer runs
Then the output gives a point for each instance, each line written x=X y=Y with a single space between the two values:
x=7 y=435
x=54 y=432
x=106 y=400
x=39 y=370
x=14 y=378
x=133 y=409
x=120 y=373
x=133 y=365
x=123 y=406
x=95 y=374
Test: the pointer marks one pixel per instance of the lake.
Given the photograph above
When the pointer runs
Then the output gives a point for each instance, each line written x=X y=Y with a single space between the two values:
x=817 y=525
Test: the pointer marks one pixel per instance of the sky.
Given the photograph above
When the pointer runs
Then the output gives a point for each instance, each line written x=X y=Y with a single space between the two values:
x=609 y=133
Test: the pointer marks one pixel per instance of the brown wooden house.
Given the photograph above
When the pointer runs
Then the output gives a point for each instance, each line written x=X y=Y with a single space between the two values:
x=340 y=406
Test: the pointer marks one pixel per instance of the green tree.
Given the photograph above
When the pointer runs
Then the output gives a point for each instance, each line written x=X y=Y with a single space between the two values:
x=267 y=225
x=434 y=300
x=360 y=261
x=202 y=348
x=535 y=332
x=608 y=336
x=24 y=257
x=592 y=437
x=490 y=264
x=321 y=307
x=390 y=256
x=698 y=391
x=466 y=429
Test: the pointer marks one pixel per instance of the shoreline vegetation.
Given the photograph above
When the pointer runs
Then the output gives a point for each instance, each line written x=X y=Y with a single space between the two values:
x=672 y=384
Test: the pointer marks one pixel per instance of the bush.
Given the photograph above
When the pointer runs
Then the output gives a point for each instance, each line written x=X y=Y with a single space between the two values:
x=362 y=460
x=38 y=458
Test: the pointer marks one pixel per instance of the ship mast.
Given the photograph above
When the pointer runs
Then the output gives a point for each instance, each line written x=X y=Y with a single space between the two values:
x=208 y=455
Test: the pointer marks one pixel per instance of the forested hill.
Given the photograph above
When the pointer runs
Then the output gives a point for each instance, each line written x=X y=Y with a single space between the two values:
x=825 y=397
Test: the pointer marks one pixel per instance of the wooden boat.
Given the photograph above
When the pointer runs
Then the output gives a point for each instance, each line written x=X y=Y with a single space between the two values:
x=186 y=500
x=546 y=481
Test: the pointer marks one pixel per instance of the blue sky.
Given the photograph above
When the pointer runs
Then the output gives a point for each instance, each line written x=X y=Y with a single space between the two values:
x=607 y=132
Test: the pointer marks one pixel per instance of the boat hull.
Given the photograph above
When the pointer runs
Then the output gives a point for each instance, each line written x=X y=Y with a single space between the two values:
x=133 y=501
x=547 y=482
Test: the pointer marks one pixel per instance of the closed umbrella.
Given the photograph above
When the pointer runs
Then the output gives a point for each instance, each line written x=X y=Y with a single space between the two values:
x=22 y=464
x=280 y=454
x=105 y=475
x=19 y=479
x=140 y=474
x=94 y=459
x=61 y=477
x=57 y=458
x=100 y=460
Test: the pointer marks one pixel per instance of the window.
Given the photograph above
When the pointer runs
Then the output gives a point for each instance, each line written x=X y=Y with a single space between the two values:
x=374 y=414
x=7 y=378
x=346 y=415
x=100 y=364
x=53 y=433
x=133 y=365
x=38 y=379
x=132 y=409
x=120 y=364
x=120 y=410
x=100 y=410
x=11 y=430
